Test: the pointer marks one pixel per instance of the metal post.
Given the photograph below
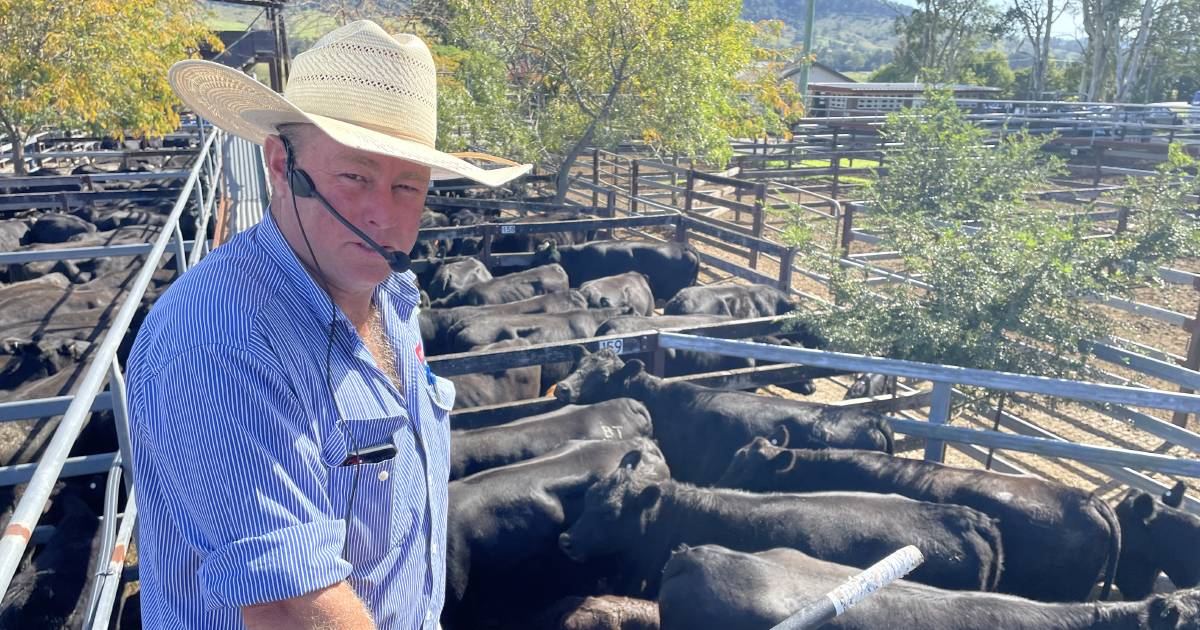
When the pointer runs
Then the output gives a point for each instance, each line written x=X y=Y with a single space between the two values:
x=120 y=403
x=690 y=187
x=939 y=414
x=855 y=589
x=180 y=256
x=785 y=269
x=847 y=229
x=595 y=176
x=1192 y=361
x=633 y=188
x=674 y=181
x=610 y=210
x=760 y=207
x=835 y=161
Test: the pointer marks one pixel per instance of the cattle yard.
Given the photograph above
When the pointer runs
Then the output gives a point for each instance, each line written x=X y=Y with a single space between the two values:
x=1134 y=425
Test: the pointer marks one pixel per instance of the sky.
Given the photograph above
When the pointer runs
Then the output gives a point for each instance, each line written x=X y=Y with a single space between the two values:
x=1067 y=26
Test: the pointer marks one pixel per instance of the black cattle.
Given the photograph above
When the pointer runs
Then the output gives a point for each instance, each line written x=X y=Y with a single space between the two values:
x=700 y=428
x=867 y=385
x=606 y=612
x=59 y=228
x=1155 y=538
x=501 y=386
x=668 y=267
x=641 y=519
x=739 y=301
x=682 y=362
x=473 y=450
x=436 y=323
x=457 y=276
x=627 y=289
x=502 y=557
x=510 y=288
x=12 y=235
x=1058 y=540
x=714 y=587
x=538 y=328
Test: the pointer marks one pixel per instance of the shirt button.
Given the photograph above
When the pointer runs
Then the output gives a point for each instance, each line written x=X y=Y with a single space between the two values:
x=428 y=615
x=434 y=548
x=383 y=475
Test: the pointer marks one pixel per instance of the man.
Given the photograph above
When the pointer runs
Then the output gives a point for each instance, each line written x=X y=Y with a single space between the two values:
x=291 y=446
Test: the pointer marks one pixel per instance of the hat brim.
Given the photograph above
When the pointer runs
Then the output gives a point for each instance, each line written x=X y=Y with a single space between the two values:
x=248 y=109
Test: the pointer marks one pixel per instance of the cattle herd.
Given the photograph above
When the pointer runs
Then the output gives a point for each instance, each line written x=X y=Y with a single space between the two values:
x=644 y=501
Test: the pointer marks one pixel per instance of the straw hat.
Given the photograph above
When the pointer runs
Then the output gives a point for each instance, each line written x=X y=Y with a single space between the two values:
x=363 y=87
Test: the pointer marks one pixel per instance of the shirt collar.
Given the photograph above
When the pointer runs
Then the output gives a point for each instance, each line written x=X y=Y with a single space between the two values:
x=398 y=289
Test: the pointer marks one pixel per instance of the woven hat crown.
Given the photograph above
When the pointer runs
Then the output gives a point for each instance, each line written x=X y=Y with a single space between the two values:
x=362 y=75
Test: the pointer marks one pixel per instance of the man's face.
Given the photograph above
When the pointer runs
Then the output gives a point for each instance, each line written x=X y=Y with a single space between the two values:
x=382 y=196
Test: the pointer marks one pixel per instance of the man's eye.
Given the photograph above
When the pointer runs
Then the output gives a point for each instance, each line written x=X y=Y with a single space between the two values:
x=354 y=177
x=405 y=188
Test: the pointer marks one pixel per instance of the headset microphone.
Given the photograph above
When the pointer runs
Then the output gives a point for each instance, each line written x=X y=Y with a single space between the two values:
x=302 y=186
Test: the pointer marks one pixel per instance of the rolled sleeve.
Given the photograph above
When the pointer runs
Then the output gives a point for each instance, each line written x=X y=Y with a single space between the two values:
x=246 y=483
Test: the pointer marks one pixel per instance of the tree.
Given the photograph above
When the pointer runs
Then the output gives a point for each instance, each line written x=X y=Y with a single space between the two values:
x=92 y=64
x=990 y=68
x=936 y=38
x=1002 y=282
x=1036 y=19
x=670 y=72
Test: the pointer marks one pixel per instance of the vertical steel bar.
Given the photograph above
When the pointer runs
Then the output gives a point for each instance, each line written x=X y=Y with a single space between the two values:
x=633 y=188
x=180 y=255
x=939 y=414
x=120 y=405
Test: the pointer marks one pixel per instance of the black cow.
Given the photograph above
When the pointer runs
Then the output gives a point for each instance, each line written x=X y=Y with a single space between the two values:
x=537 y=328
x=457 y=276
x=669 y=267
x=59 y=228
x=627 y=289
x=714 y=587
x=606 y=612
x=510 y=288
x=641 y=519
x=681 y=362
x=1156 y=538
x=501 y=386
x=436 y=323
x=700 y=428
x=739 y=301
x=502 y=557
x=1058 y=540
x=12 y=235
x=473 y=450
x=867 y=385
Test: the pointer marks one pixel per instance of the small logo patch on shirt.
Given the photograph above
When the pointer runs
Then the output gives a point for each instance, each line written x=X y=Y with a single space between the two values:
x=420 y=352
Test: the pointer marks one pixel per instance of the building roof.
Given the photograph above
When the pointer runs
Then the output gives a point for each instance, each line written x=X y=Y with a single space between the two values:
x=794 y=69
x=893 y=88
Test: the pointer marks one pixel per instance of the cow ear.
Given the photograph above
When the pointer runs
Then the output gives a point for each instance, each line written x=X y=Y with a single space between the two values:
x=631 y=460
x=1174 y=496
x=649 y=495
x=1143 y=506
x=784 y=461
x=633 y=367
x=578 y=352
x=780 y=437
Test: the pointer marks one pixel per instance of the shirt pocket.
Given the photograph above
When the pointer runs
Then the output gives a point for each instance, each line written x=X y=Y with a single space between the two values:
x=441 y=396
x=365 y=491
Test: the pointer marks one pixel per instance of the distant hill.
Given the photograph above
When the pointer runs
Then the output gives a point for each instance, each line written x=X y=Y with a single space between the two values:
x=850 y=35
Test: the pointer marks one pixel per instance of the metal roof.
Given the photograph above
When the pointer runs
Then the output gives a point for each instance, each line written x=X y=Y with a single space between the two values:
x=907 y=88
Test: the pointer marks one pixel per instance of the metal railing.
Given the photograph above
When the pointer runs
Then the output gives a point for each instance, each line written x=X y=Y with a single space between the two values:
x=201 y=186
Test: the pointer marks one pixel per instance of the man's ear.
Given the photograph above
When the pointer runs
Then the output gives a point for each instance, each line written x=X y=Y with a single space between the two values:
x=276 y=158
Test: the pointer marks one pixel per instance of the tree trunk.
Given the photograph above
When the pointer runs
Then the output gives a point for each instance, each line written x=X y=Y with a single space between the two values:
x=18 y=148
x=564 y=171
x=1043 y=53
x=1130 y=65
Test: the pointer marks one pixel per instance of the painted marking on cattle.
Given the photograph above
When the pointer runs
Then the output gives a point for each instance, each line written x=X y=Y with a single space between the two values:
x=610 y=431
x=16 y=529
x=508 y=229
x=616 y=345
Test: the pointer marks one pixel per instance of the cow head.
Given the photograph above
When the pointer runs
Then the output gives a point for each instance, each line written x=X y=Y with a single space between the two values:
x=616 y=510
x=1174 y=611
x=1155 y=537
x=756 y=465
x=600 y=376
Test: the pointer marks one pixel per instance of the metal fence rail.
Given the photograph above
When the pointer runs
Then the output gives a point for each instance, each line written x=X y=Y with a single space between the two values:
x=104 y=367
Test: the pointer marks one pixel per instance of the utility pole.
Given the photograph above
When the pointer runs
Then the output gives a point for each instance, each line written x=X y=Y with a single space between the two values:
x=805 y=64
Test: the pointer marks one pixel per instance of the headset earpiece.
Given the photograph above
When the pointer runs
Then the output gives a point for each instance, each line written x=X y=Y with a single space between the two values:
x=301 y=183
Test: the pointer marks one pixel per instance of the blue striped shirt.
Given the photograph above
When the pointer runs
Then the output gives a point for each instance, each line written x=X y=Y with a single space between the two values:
x=238 y=446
